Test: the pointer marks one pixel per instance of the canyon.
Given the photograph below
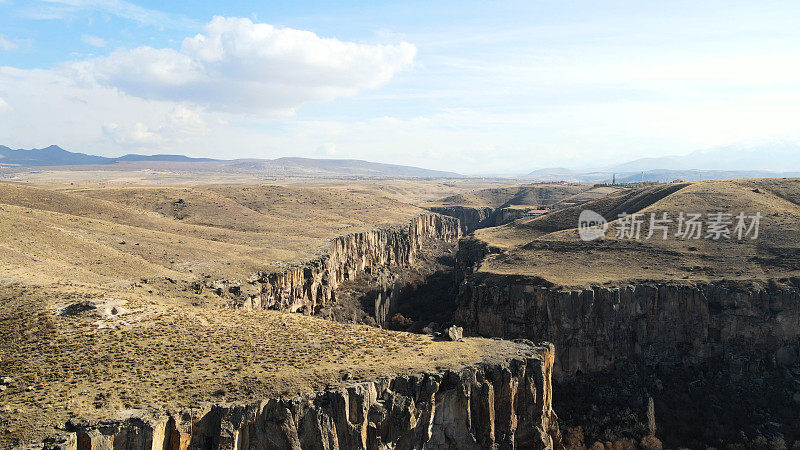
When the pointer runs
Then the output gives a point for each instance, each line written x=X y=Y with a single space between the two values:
x=312 y=286
x=690 y=343
x=232 y=358
x=660 y=322
x=470 y=218
x=699 y=340
x=483 y=208
x=713 y=347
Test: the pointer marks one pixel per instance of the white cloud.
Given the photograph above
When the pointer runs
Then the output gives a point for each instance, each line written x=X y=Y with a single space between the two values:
x=92 y=118
x=94 y=41
x=7 y=45
x=180 y=101
x=171 y=128
x=237 y=65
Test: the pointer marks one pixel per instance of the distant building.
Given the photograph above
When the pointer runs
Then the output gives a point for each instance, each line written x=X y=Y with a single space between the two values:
x=678 y=180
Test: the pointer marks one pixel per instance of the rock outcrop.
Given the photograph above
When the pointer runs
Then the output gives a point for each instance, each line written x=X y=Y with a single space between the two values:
x=475 y=217
x=470 y=218
x=455 y=333
x=661 y=323
x=312 y=286
x=502 y=404
x=505 y=215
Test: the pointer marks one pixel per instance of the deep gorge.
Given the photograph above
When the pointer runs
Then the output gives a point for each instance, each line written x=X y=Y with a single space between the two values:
x=696 y=364
x=702 y=350
x=616 y=347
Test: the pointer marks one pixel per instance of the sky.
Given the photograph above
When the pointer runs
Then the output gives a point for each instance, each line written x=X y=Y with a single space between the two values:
x=472 y=87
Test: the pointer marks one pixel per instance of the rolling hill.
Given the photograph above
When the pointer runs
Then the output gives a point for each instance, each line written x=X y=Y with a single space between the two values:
x=549 y=246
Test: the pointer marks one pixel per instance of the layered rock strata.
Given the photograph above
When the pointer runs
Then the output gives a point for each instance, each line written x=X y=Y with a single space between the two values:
x=500 y=404
x=662 y=323
x=312 y=286
x=474 y=217
x=506 y=215
x=470 y=218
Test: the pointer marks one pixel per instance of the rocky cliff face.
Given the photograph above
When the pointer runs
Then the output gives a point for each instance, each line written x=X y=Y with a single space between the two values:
x=723 y=354
x=505 y=215
x=592 y=328
x=495 y=405
x=471 y=218
x=309 y=287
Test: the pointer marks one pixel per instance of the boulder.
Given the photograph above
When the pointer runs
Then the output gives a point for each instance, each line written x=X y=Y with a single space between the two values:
x=455 y=333
x=431 y=329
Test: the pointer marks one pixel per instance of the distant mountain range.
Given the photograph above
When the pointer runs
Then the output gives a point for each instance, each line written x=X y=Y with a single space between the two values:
x=57 y=156
x=768 y=157
x=766 y=160
x=778 y=159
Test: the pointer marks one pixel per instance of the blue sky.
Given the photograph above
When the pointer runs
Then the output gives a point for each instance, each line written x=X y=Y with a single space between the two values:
x=477 y=87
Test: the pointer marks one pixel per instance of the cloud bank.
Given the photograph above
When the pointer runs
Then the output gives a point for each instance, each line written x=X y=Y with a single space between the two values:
x=192 y=99
x=236 y=65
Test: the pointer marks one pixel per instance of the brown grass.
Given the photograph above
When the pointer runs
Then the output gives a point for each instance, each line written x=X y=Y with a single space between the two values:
x=163 y=351
x=528 y=196
x=549 y=246
x=119 y=234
